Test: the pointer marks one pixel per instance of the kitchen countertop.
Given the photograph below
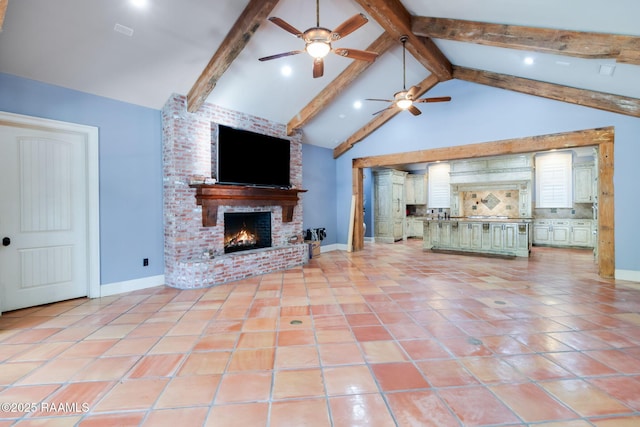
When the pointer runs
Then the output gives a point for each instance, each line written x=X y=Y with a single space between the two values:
x=474 y=219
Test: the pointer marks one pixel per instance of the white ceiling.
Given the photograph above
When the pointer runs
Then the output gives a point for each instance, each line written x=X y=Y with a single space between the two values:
x=72 y=43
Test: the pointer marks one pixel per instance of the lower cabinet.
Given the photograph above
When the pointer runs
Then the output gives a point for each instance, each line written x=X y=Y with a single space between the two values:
x=541 y=232
x=470 y=235
x=582 y=233
x=415 y=227
x=560 y=233
x=504 y=237
x=563 y=233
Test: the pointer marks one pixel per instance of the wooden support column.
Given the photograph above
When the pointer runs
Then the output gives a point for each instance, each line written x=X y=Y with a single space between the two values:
x=606 y=226
x=358 y=191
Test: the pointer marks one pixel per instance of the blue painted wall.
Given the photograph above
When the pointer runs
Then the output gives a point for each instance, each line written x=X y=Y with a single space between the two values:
x=131 y=221
x=319 y=202
x=481 y=114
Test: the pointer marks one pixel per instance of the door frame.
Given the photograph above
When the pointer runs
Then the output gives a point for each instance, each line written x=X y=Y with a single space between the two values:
x=92 y=208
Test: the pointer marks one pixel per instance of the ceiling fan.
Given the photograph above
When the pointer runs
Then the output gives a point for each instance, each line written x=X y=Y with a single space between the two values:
x=405 y=99
x=318 y=41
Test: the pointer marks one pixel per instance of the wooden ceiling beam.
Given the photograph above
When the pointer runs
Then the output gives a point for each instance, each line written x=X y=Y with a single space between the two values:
x=338 y=85
x=379 y=120
x=3 y=11
x=237 y=38
x=563 y=140
x=622 y=48
x=394 y=18
x=587 y=98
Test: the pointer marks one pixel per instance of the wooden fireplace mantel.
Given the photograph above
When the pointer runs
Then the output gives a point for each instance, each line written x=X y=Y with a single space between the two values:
x=210 y=196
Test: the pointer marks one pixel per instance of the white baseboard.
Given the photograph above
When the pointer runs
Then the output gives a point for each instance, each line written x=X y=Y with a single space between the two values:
x=329 y=248
x=131 y=285
x=340 y=246
x=630 y=275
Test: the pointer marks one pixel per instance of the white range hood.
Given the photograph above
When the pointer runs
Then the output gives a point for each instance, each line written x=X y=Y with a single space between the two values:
x=492 y=172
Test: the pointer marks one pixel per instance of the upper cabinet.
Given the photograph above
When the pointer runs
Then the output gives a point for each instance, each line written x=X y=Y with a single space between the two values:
x=584 y=180
x=415 y=189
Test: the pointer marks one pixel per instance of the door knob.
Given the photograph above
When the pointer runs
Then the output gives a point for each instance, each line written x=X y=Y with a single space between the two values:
x=6 y=241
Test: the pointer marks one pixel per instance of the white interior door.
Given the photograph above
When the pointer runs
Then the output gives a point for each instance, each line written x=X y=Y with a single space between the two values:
x=44 y=223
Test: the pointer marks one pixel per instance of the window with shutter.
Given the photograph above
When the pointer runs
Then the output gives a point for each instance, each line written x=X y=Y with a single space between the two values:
x=439 y=186
x=554 y=187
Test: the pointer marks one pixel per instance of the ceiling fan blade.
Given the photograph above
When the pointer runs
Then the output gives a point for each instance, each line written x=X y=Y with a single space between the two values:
x=378 y=99
x=413 y=110
x=349 y=26
x=412 y=92
x=280 y=55
x=385 y=109
x=362 y=55
x=438 y=99
x=318 y=68
x=286 y=26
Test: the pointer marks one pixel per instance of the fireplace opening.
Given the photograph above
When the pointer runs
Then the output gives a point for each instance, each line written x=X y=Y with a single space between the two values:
x=246 y=230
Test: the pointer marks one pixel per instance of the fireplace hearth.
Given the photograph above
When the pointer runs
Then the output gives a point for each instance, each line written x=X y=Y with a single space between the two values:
x=246 y=230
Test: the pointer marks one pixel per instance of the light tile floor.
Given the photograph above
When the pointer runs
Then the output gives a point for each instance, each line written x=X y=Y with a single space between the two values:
x=384 y=337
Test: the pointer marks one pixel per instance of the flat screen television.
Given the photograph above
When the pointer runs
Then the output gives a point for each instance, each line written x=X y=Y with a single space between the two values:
x=250 y=158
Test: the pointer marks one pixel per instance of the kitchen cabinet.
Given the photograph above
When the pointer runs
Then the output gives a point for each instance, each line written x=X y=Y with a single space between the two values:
x=415 y=187
x=439 y=233
x=584 y=182
x=470 y=235
x=415 y=227
x=541 y=232
x=563 y=233
x=389 y=205
x=431 y=234
x=445 y=232
x=560 y=232
x=503 y=237
x=582 y=233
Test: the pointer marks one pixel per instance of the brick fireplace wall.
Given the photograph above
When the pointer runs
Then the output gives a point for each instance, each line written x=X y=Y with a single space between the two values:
x=187 y=153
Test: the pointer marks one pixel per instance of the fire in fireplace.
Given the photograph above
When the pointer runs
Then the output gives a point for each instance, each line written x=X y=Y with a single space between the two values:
x=246 y=230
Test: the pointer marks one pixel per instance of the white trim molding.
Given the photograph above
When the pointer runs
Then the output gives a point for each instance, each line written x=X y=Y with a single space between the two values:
x=630 y=275
x=131 y=285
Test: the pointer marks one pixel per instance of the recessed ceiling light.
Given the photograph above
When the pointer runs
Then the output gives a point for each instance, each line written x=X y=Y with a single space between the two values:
x=528 y=60
x=357 y=105
x=140 y=4
x=286 y=70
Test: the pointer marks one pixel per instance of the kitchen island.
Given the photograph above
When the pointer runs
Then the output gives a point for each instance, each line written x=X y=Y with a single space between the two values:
x=489 y=235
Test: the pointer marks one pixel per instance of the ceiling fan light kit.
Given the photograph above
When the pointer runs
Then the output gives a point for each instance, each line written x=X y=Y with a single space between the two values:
x=317 y=45
x=318 y=41
x=404 y=103
x=405 y=99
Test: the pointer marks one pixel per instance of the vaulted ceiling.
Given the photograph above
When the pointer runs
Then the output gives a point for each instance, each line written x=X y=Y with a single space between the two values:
x=584 y=52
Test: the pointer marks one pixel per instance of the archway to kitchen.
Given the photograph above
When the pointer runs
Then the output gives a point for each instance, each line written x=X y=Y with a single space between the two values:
x=600 y=138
